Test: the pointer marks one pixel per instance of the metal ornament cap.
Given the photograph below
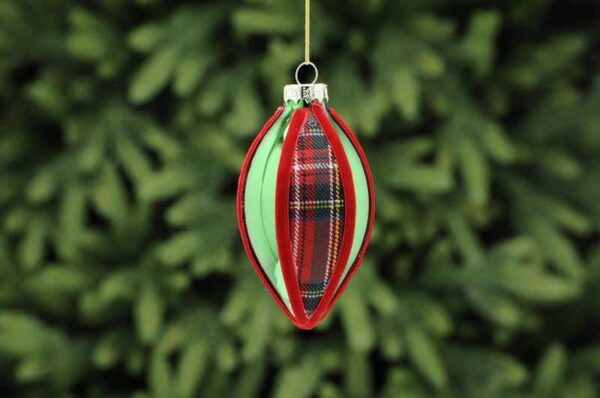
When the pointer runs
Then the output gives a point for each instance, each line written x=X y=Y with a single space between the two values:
x=306 y=92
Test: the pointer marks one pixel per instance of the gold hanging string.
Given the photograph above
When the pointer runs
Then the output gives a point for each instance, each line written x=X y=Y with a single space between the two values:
x=307 y=61
x=306 y=31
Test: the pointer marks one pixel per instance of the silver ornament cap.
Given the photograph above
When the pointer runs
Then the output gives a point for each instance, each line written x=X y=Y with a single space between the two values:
x=305 y=92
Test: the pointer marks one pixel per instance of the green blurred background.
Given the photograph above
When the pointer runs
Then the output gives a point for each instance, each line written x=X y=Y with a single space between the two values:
x=123 y=125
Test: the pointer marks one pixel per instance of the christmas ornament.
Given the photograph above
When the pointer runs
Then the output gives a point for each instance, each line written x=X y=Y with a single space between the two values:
x=305 y=202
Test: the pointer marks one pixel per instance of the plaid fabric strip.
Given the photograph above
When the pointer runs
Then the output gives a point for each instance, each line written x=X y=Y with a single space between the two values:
x=316 y=212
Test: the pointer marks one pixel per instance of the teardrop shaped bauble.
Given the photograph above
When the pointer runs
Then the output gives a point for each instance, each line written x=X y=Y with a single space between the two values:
x=305 y=205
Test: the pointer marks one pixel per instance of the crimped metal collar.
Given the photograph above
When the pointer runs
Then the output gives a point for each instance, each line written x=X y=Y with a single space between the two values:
x=306 y=92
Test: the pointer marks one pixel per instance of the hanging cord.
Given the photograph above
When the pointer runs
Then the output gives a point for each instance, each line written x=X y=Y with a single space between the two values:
x=307 y=61
x=306 y=31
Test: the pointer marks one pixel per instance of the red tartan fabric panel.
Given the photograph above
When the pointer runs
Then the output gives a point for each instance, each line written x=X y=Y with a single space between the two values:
x=316 y=212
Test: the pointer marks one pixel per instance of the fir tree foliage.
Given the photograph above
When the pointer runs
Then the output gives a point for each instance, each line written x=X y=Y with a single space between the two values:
x=123 y=126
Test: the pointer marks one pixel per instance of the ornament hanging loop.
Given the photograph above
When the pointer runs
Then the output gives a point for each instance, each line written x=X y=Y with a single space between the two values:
x=307 y=64
x=307 y=92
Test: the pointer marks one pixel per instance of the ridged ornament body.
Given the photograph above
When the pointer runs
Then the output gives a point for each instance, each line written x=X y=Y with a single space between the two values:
x=305 y=208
